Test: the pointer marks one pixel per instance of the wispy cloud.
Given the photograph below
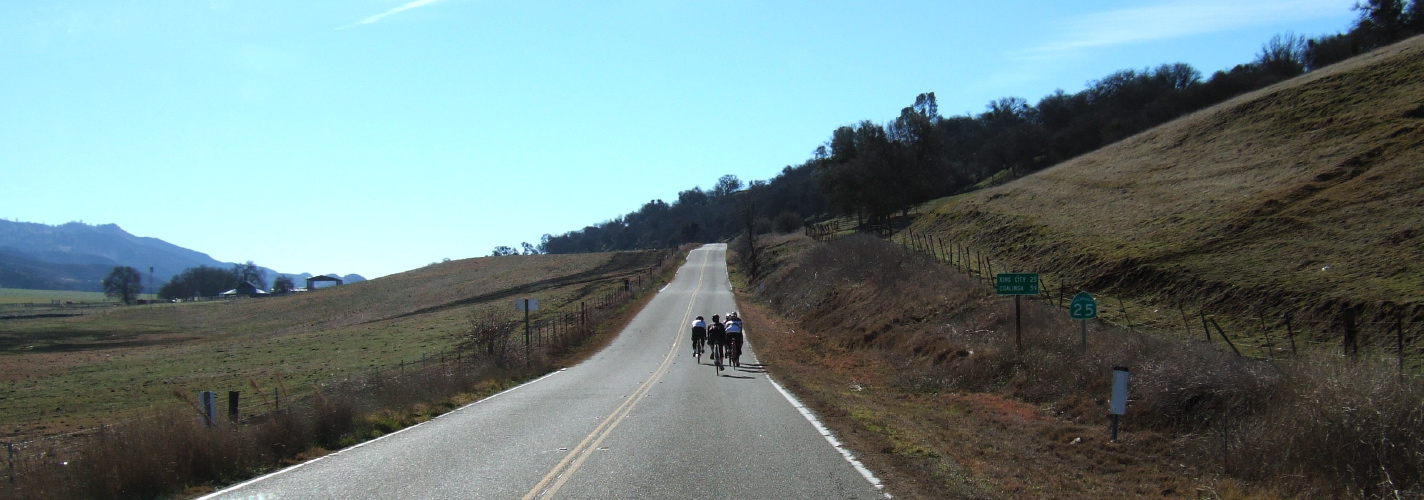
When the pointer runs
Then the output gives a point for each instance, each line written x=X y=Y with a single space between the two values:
x=1180 y=19
x=376 y=18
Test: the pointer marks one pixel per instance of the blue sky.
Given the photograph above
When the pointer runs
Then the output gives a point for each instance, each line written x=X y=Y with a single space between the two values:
x=375 y=137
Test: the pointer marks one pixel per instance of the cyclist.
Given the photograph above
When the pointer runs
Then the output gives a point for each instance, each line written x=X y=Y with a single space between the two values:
x=717 y=338
x=699 y=336
x=734 y=338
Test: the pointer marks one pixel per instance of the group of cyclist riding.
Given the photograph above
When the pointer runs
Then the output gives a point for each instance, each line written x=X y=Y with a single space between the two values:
x=723 y=338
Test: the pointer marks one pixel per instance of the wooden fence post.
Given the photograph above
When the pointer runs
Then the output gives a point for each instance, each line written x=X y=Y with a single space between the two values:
x=1224 y=337
x=1207 y=329
x=1125 y=316
x=1349 y=344
x=1290 y=333
x=1186 y=327
x=1399 y=338
x=1270 y=348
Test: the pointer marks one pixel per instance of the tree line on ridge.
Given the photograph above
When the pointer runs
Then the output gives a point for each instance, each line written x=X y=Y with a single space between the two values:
x=871 y=171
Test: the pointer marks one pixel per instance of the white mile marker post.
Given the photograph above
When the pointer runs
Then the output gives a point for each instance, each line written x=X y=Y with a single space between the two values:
x=1119 y=397
x=207 y=400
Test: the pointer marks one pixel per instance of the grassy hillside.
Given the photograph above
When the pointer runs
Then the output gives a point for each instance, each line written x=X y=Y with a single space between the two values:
x=1299 y=198
x=63 y=374
x=1305 y=198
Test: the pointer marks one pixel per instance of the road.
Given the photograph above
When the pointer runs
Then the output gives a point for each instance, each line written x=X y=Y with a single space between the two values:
x=640 y=419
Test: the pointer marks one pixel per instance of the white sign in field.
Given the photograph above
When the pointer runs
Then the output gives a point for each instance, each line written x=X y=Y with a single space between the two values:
x=526 y=304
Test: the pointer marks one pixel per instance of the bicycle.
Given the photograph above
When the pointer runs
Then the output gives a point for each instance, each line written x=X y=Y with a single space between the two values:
x=717 y=355
x=699 y=338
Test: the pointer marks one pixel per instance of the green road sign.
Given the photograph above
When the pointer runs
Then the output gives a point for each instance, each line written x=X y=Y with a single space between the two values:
x=1018 y=283
x=1083 y=306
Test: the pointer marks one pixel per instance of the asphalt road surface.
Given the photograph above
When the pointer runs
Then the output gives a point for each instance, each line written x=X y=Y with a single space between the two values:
x=641 y=419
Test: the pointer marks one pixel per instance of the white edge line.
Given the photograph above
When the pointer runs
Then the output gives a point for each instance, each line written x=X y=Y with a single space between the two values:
x=830 y=438
x=364 y=443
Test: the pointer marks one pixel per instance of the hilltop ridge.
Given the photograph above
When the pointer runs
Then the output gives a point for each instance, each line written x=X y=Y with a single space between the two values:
x=77 y=256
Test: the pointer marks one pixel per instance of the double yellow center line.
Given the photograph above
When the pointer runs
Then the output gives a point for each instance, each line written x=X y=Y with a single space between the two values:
x=575 y=458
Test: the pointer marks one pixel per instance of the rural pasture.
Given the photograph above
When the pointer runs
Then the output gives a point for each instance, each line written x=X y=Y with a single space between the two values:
x=62 y=375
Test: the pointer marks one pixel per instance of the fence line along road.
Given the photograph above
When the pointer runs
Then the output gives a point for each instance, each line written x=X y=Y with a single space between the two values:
x=640 y=419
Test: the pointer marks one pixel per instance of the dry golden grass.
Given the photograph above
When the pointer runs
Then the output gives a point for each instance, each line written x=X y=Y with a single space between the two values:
x=59 y=375
x=1301 y=197
x=324 y=405
x=915 y=366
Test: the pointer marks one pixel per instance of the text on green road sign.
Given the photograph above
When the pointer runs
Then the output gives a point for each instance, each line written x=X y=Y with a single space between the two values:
x=1018 y=283
x=1084 y=306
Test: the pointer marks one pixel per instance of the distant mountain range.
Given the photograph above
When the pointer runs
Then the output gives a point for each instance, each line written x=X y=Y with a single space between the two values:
x=77 y=256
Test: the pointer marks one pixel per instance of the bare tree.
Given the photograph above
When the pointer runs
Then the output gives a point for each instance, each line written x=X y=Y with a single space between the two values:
x=726 y=185
x=283 y=284
x=490 y=332
x=250 y=273
x=123 y=282
x=1284 y=55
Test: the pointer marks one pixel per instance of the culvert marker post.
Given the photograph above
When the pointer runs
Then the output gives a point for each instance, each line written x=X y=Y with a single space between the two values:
x=1119 y=397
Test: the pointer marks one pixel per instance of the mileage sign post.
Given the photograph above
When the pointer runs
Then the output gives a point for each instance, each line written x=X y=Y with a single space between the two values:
x=1083 y=308
x=1018 y=285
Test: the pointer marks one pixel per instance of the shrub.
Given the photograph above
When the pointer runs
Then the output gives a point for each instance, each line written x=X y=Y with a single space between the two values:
x=786 y=222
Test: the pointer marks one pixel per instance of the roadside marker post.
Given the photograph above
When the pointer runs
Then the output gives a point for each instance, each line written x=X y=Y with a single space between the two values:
x=1018 y=285
x=1118 y=407
x=1083 y=308
x=207 y=401
x=526 y=305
